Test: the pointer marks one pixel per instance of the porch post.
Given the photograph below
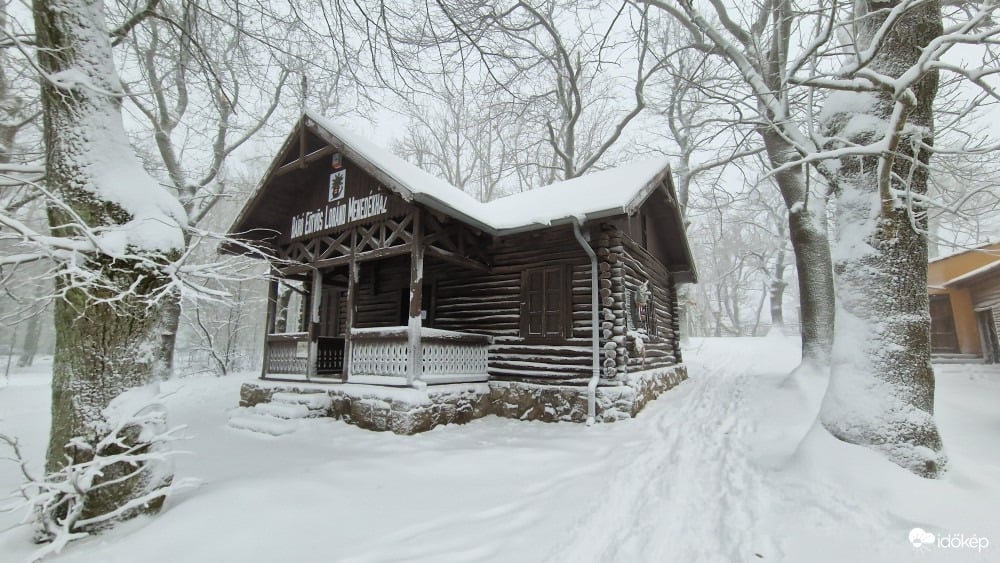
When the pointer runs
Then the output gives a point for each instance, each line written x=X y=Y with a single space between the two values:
x=272 y=305
x=415 y=365
x=352 y=282
x=316 y=295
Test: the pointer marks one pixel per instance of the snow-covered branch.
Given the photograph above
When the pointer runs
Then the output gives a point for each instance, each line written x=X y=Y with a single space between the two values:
x=133 y=446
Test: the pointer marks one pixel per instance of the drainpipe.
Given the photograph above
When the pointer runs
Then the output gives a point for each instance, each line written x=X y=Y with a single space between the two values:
x=594 y=326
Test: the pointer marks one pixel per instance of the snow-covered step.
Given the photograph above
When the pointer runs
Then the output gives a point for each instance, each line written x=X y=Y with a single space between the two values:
x=263 y=424
x=312 y=401
x=283 y=410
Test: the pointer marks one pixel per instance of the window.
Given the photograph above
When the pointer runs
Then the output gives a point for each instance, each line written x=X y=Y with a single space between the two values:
x=544 y=293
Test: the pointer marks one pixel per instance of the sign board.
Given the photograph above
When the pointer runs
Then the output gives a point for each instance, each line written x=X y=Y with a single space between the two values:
x=302 y=349
x=325 y=197
x=338 y=213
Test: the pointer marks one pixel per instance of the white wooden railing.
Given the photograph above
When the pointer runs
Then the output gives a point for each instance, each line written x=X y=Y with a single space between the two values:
x=287 y=354
x=381 y=356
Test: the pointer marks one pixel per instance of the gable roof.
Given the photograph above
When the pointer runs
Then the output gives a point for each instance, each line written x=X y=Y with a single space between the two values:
x=616 y=191
x=601 y=194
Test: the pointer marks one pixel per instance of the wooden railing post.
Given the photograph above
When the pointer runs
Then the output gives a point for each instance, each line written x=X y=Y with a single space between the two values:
x=352 y=308
x=272 y=304
x=416 y=364
x=316 y=296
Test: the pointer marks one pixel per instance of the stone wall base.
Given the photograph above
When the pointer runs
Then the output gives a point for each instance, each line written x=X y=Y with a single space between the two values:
x=562 y=403
x=409 y=411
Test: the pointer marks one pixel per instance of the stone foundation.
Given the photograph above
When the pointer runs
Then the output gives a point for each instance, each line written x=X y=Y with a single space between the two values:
x=409 y=411
x=402 y=410
x=561 y=403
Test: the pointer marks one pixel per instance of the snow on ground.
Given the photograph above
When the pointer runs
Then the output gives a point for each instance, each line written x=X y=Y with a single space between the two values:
x=712 y=471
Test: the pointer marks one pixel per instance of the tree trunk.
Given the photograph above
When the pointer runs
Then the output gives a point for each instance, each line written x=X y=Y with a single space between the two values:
x=31 y=335
x=281 y=317
x=105 y=333
x=881 y=392
x=776 y=291
x=168 y=323
x=808 y=232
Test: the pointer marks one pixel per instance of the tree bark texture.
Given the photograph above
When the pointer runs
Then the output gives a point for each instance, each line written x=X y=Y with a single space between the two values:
x=105 y=334
x=807 y=229
x=881 y=392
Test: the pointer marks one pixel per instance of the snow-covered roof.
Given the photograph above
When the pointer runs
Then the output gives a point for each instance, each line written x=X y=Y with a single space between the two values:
x=974 y=275
x=961 y=252
x=616 y=191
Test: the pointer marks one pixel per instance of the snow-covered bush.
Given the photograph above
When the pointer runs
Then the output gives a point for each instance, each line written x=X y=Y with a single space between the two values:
x=130 y=450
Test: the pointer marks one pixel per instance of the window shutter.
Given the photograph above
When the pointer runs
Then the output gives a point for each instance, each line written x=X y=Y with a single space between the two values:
x=544 y=302
x=553 y=325
x=532 y=321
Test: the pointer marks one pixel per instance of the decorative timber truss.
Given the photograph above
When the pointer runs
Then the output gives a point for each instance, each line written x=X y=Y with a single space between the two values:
x=437 y=235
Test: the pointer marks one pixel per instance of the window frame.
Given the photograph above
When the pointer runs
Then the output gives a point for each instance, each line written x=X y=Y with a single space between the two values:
x=564 y=310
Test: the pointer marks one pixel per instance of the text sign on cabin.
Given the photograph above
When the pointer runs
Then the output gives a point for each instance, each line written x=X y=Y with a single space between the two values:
x=341 y=207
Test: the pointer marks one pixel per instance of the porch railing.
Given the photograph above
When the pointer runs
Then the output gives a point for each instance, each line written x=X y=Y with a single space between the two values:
x=288 y=354
x=380 y=356
x=330 y=355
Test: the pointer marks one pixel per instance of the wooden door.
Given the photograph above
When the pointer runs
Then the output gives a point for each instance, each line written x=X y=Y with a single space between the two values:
x=329 y=311
x=943 y=337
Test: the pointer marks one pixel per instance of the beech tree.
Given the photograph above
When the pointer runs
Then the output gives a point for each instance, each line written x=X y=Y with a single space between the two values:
x=115 y=236
x=562 y=69
x=871 y=147
x=881 y=391
x=758 y=46
x=201 y=87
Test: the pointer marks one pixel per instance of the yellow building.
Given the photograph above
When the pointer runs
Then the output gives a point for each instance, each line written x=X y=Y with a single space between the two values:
x=964 y=293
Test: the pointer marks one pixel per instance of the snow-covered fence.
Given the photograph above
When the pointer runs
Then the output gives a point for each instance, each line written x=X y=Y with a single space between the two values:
x=287 y=353
x=446 y=356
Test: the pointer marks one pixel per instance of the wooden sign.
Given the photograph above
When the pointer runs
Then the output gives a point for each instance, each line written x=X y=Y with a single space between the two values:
x=338 y=214
x=343 y=196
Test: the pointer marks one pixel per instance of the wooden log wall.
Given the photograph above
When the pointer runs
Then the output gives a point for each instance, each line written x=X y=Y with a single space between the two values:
x=612 y=301
x=379 y=289
x=663 y=346
x=986 y=295
x=466 y=300
x=469 y=301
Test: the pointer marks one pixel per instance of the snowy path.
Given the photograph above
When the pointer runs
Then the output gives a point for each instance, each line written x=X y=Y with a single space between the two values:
x=696 y=483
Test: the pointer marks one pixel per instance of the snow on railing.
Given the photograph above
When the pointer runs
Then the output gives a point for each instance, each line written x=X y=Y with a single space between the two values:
x=446 y=356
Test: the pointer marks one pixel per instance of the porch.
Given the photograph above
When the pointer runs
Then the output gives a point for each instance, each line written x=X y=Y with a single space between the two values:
x=393 y=356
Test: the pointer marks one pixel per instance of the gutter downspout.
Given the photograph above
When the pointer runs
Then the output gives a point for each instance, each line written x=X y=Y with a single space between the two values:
x=596 y=342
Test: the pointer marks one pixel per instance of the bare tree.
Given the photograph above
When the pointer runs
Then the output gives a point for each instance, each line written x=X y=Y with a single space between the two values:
x=567 y=78
x=470 y=135
x=756 y=46
x=882 y=351
x=872 y=151
x=203 y=87
x=114 y=235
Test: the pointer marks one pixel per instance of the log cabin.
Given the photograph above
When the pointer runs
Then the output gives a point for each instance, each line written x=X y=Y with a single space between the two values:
x=557 y=303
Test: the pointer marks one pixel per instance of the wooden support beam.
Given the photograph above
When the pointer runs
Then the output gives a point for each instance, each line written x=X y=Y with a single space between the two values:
x=352 y=311
x=272 y=306
x=315 y=297
x=415 y=365
x=304 y=161
x=458 y=259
